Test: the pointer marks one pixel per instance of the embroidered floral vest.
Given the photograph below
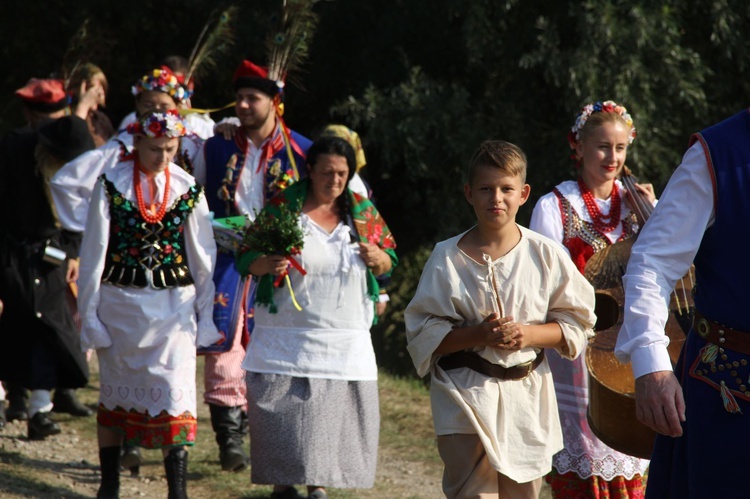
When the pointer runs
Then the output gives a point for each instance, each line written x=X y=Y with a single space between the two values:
x=581 y=237
x=141 y=254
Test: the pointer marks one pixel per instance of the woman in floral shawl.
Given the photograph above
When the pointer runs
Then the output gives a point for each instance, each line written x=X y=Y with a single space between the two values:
x=311 y=372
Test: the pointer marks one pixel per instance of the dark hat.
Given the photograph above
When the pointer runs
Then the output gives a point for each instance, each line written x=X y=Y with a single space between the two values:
x=254 y=76
x=67 y=138
x=46 y=96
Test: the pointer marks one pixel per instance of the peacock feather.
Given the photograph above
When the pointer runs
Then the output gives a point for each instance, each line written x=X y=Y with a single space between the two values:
x=213 y=42
x=87 y=44
x=289 y=43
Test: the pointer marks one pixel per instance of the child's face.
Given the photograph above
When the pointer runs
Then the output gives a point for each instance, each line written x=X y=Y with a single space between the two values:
x=153 y=100
x=495 y=196
x=155 y=154
x=603 y=152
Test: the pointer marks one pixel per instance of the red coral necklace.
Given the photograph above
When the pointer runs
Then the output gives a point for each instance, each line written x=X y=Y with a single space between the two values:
x=598 y=219
x=150 y=214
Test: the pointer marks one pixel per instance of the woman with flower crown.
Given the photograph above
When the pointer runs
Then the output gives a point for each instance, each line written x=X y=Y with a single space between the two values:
x=146 y=300
x=585 y=216
x=159 y=90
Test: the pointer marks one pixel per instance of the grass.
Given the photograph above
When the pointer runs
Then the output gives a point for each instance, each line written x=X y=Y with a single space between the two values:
x=408 y=464
x=406 y=422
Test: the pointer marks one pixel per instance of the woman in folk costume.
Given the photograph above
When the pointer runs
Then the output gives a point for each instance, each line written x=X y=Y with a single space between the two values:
x=311 y=372
x=146 y=298
x=261 y=159
x=157 y=91
x=198 y=122
x=585 y=216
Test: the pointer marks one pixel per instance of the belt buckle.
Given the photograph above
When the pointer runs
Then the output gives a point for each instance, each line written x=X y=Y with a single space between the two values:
x=702 y=328
x=529 y=366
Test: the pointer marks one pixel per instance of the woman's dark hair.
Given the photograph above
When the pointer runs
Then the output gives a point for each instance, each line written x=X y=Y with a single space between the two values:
x=332 y=145
x=339 y=147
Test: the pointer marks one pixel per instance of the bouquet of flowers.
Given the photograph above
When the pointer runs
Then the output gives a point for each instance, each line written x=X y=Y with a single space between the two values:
x=275 y=233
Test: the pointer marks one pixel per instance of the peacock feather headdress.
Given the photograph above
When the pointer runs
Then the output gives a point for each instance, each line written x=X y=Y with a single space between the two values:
x=288 y=44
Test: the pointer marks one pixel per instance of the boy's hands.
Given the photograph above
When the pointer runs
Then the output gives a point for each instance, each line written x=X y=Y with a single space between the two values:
x=503 y=333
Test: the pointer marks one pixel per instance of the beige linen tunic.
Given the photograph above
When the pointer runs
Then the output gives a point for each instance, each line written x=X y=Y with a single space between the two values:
x=516 y=420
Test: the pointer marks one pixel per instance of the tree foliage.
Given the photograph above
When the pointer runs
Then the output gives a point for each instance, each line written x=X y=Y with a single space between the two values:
x=425 y=82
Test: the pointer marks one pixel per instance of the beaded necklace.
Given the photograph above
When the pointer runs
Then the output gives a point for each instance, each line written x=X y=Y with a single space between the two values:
x=597 y=218
x=150 y=215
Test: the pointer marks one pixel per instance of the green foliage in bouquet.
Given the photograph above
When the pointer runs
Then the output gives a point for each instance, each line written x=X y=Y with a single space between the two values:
x=275 y=231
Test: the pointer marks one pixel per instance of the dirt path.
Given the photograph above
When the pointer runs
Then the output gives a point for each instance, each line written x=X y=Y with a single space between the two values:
x=67 y=465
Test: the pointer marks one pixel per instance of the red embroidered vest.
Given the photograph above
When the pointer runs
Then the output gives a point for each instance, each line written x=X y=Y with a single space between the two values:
x=581 y=237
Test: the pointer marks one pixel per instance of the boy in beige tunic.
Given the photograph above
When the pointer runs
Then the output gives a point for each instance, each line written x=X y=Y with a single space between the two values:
x=488 y=303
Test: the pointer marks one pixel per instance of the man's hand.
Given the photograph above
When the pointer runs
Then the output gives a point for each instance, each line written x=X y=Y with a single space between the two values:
x=659 y=403
x=227 y=130
x=71 y=274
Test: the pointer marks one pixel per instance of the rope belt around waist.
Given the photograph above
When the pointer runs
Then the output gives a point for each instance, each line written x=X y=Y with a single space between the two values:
x=476 y=363
x=721 y=335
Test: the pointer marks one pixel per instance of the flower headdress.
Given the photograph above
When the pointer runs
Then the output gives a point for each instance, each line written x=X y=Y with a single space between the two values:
x=155 y=125
x=599 y=107
x=162 y=80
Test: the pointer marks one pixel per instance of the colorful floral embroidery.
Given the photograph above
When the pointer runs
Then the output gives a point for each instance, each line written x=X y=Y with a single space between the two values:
x=571 y=486
x=727 y=371
x=139 y=250
x=162 y=80
x=149 y=432
x=582 y=238
x=155 y=125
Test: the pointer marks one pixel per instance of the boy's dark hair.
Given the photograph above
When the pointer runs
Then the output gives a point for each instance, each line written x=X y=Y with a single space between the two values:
x=508 y=157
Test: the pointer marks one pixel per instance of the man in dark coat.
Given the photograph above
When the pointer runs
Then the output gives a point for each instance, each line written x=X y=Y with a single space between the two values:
x=40 y=342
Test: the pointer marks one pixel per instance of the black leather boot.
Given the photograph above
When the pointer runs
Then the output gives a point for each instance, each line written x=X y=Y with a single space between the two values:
x=131 y=459
x=227 y=424
x=65 y=401
x=175 y=465
x=17 y=408
x=109 y=461
x=41 y=426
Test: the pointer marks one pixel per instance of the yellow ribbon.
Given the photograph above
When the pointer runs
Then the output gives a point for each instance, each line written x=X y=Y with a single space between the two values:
x=191 y=110
x=288 y=146
x=291 y=293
